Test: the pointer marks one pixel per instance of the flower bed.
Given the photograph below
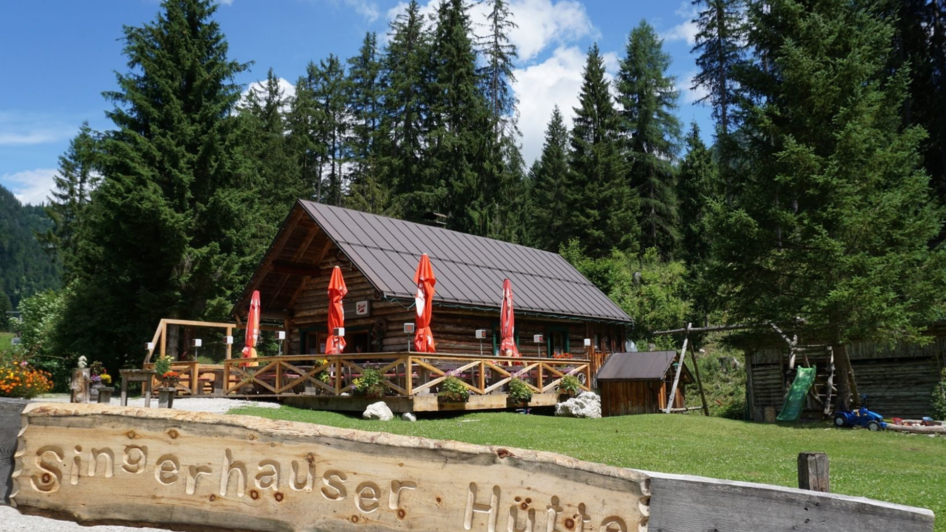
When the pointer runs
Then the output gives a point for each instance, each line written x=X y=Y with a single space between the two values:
x=19 y=379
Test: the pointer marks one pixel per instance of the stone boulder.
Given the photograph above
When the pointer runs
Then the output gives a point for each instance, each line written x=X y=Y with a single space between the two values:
x=378 y=410
x=588 y=404
x=409 y=417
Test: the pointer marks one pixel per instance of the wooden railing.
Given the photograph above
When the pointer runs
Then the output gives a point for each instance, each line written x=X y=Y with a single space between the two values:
x=403 y=374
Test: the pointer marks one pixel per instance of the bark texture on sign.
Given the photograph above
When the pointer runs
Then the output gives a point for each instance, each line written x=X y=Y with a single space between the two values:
x=97 y=464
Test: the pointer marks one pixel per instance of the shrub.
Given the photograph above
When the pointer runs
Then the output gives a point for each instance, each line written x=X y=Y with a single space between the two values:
x=569 y=386
x=939 y=398
x=162 y=365
x=19 y=379
x=519 y=391
x=454 y=391
x=369 y=384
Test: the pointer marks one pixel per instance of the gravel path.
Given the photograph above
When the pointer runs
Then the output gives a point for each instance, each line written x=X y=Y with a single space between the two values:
x=13 y=521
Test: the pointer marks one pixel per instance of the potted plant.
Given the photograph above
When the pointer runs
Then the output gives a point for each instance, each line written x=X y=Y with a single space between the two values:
x=95 y=380
x=105 y=387
x=169 y=379
x=519 y=392
x=369 y=385
x=452 y=390
x=568 y=387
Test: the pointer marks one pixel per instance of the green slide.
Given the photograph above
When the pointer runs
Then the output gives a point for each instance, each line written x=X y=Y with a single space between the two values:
x=795 y=401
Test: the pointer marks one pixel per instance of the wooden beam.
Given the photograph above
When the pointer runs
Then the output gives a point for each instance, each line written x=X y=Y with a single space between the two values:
x=676 y=379
x=273 y=252
x=318 y=262
x=296 y=257
x=813 y=472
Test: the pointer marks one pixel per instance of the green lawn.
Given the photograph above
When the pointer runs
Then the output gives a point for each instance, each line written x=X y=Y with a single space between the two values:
x=5 y=339
x=905 y=469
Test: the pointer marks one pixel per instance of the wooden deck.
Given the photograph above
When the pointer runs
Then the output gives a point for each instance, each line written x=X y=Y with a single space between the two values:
x=410 y=382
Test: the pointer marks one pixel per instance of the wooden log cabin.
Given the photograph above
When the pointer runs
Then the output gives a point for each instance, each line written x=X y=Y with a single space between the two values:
x=640 y=383
x=378 y=257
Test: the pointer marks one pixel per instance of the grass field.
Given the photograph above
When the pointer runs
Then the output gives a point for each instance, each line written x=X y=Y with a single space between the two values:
x=5 y=339
x=905 y=469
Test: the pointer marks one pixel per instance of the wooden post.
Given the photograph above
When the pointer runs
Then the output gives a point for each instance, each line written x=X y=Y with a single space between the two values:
x=676 y=378
x=813 y=472
x=699 y=384
x=229 y=346
x=164 y=338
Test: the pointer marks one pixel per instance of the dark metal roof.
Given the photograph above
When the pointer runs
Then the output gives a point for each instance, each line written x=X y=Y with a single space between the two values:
x=643 y=366
x=469 y=269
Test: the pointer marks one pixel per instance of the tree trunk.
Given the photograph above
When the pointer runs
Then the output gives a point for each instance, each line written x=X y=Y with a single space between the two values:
x=847 y=386
x=173 y=341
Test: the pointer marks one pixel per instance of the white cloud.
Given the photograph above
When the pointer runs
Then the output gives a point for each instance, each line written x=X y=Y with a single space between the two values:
x=540 y=23
x=686 y=30
x=365 y=8
x=689 y=94
x=226 y=2
x=23 y=128
x=540 y=88
x=259 y=87
x=30 y=186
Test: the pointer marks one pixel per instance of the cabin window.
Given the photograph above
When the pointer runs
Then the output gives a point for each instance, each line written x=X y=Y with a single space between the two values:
x=557 y=341
x=312 y=340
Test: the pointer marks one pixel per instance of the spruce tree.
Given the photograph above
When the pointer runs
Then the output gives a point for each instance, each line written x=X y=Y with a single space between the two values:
x=550 y=187
x=265 y=143
x=171 y=231
x=364 y=103
x=304 y=138
x=697 y=187
x=402 y=144
x=330 y=92
x=647 y=100
x=602 y=206
x=457 y=125
x=833 y=212
x=719 y=43
x=78 y=176
x=504 y=183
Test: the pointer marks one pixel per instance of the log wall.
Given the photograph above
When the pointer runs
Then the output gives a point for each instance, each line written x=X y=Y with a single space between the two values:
x=622 y=398
x=454 y=329
x=898 y=380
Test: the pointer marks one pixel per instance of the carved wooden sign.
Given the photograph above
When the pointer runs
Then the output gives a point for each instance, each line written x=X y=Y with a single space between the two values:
x=97 y=464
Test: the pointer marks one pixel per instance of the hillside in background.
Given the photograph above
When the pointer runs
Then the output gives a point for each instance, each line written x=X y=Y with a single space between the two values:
x=25 y=268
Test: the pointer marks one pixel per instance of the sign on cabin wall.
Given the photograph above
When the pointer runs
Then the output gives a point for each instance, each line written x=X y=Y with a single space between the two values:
x=357 y=308
x=97 y=464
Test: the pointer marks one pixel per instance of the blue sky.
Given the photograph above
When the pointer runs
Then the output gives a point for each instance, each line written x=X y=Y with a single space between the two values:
x=58 y=56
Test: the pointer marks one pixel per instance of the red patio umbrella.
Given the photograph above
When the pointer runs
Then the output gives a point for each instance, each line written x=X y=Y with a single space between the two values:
x=252 y=329
x=507 y=325
x=334 y=345
x=425 y=281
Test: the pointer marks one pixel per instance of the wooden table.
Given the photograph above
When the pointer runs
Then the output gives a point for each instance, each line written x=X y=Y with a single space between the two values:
x=144 y=376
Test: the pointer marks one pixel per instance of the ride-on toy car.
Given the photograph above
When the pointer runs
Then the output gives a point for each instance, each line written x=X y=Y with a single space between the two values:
x=862 y=417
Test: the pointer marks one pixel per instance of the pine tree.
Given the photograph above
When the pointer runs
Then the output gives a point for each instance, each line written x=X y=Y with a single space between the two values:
x=264 y=141
x=550 y=182
x=647 y=99
x=402 y=143
x=171 y=231
x=5 y=307
x=833 y=212
x=719 y=45
x=78 y=176
x=603 y=208
x=304 y=139
x=364 y=103
x=457 y=125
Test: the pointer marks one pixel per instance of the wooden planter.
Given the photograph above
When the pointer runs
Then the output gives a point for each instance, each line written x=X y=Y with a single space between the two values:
x=166 y=397
x=105 y=394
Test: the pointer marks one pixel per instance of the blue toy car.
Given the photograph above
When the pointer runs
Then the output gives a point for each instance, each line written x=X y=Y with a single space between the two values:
x=862 y=417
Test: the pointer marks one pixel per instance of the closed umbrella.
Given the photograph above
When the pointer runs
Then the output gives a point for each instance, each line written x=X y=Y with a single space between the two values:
x=423 y=300
x=334 y=345
x=252 y=330
x=507 y=326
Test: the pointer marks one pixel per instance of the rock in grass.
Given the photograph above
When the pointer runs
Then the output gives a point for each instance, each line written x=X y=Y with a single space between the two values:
x=409 y=417
x=378 y=410
x=587 y=404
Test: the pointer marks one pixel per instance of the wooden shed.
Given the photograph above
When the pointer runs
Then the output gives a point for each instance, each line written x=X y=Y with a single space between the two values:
x=378 y=256
x=640 y=383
